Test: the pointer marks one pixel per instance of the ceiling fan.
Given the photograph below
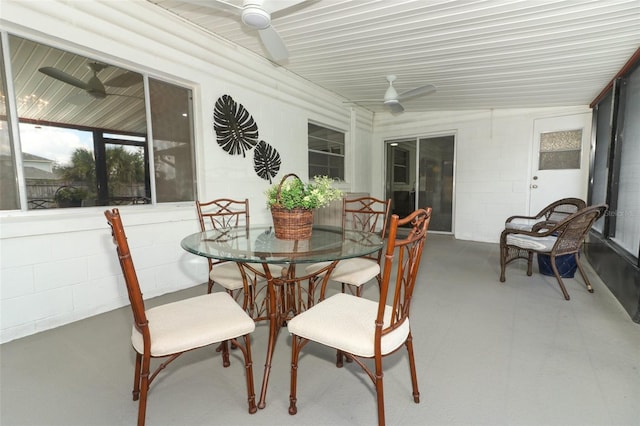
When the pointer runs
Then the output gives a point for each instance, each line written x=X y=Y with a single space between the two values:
x=392 y=99
x=256 y=15
x=94 y=86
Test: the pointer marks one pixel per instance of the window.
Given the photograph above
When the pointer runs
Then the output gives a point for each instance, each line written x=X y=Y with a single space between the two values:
x=84 y=137
x=401 y=165
x=616 y=168
x=560 y=150
x=326 y=152
x=601 y=157
x=8 y=179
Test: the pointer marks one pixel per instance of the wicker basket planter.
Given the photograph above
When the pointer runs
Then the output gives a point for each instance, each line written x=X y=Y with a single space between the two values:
x=294 y=224
x=292 y=204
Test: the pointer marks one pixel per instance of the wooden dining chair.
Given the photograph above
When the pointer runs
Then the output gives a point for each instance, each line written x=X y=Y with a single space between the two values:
x=361 y=214
x=361 y=328
x=219 y=214
x=167 y=331
x=553 y=239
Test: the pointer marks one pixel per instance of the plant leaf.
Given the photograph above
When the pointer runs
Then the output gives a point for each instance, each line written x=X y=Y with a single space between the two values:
x=235 y=128
x=266 y=161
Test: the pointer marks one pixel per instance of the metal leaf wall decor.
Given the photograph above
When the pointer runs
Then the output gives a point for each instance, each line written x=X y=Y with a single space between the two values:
x=235 y=128
x=266 y=161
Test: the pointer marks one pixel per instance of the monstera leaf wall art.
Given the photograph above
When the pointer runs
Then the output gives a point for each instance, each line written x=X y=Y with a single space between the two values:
x=237 y=133
x=266 y=161
x=235 y=128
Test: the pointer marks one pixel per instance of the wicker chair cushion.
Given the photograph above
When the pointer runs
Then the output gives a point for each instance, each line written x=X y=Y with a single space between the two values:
x=228 y=276
x=347 y=323
x=541 y=244
x=521 y=226
x=355 y=271
x=193 y=323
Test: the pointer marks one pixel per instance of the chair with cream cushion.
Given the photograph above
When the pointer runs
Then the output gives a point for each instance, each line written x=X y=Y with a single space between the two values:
x=361 y=328
x=553 y=239
x=225 y=213
x=361 y=214
x=169 y=330
x=553 y=213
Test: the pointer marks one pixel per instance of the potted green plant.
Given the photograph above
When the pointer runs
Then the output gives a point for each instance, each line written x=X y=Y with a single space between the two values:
x=292 y=203
x=70 y=196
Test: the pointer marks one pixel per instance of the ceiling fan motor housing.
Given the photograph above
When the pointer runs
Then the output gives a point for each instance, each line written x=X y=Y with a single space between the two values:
x=254 y=16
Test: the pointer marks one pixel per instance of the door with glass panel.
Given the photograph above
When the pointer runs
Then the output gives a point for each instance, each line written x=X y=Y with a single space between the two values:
x=560 y=166
x=420 y=173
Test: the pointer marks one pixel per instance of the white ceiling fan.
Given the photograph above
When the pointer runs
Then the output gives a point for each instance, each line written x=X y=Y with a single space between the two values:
x=256 y=15
x=392 y=99
x=94 y=87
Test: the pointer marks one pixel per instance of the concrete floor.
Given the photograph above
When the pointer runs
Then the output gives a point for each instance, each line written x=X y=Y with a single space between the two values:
x=487 y=354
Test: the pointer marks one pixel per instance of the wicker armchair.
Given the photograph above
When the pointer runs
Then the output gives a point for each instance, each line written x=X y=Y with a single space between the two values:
x=553 y=213
x=550 y=238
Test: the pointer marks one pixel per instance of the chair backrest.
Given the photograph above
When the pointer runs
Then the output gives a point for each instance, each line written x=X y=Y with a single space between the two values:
x=223 y=213
x=366 y=214
x=403 y=256
x=572 y=231
x=561 y=209
x=129 y=272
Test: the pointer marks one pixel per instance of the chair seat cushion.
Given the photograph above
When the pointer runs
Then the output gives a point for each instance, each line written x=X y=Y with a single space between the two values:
x=355 y=271
x=347 y=323
x=540 y=244
x=228 y=276
x=193 y=323
x=521 y=226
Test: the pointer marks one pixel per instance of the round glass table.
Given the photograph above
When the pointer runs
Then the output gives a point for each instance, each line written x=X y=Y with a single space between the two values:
x=257 y=249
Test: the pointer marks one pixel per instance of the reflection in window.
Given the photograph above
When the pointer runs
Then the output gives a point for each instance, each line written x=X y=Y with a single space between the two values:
x=601 y=157
x=401 y=166
x=83 y=130
x=626 y=232
x=8 y=178
x=326 y=152
x=172 y=141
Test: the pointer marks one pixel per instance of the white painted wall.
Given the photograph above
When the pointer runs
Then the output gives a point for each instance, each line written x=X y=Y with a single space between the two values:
x=493 y=161
x=59 y=266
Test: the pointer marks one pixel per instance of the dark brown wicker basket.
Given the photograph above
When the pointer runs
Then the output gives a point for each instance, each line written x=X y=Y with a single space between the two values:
x=294 y=224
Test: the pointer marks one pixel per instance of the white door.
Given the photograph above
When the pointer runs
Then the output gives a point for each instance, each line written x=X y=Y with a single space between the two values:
x=560 y=158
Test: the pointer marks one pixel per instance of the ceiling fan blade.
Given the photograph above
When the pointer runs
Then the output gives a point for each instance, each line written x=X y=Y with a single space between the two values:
x=126 y=79
x=396 y=107
x=216 y=4
x=418 y=91
x=280 y=7
x=80 y=99
x=274 y=44
x=64 y=77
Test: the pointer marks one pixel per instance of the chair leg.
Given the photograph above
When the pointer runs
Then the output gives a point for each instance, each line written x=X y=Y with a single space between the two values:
x=530 y=264
x=295 y=352
x=136 y=377
x=379 y=390
x=557 y=275
x=248 y=365
x=503 y=262
x=412 y=368
x=144 y=389
x=224 y=348
x=584 y=276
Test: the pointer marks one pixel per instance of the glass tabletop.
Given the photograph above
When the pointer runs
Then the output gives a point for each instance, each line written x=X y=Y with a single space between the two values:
x=258 y=244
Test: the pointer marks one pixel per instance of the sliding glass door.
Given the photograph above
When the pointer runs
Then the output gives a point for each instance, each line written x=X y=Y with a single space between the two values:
x=420 y=173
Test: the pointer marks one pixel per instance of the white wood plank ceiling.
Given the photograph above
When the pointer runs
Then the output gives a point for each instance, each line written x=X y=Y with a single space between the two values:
x=479 y=54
